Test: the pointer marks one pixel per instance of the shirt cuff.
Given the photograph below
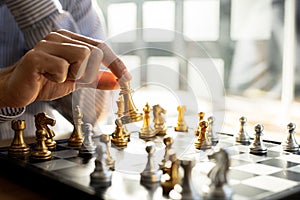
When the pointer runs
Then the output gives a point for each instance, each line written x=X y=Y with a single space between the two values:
x=7 y=114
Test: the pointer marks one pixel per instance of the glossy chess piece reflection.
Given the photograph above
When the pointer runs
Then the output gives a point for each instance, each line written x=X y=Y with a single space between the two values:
x=104 y=138
x=18 y=146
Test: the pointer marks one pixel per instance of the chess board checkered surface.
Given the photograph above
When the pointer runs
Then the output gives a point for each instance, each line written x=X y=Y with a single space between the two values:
x=272 y=176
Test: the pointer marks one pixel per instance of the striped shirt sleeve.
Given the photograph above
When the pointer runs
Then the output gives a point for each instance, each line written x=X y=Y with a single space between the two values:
x=7 y=114
x=37 y=18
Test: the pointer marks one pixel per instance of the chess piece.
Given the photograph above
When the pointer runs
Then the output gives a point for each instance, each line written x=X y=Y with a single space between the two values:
x=101 y=176
x=159 y=121
x=188 y=189
x=18 y=146
x=168 y=141
x=146 y=130
x=109 y=160
x=120 y=104
x=243 y=136
x=291 y=144
x=88 y=148
x=171 y=175
x=258 y=147
x=201 y=118
x=181 y=125
x=211 y=133
x=202 y=141
x=151 y=175
x=76 y=137
x=119 y=138
x=219 y=188
x=130 y=114
x=41 y=152
x=42 y=120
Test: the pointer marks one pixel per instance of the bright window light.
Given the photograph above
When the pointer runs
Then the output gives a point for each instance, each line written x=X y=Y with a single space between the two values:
x=159 y=15
x=251 y=19
x=201 y=20
x=122 y=24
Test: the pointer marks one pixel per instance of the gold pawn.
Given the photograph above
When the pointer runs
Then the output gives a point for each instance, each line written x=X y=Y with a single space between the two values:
x=41 y=152
x=202 y=141
x=146 y=131
x=181 y=126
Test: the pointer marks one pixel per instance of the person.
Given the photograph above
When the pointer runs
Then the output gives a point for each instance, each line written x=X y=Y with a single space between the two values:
x=50 y=50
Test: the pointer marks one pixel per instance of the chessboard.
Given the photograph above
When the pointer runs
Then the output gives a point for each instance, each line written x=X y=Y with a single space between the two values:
x=274 y=175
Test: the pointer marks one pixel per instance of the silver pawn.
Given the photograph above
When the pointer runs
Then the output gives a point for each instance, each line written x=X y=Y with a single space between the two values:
x=291 y=144
x=88 y=148
x=151 y=174
x=258 y=147
x=212 y=135
x=243 y=136
x=101 y=176
x=104 y=138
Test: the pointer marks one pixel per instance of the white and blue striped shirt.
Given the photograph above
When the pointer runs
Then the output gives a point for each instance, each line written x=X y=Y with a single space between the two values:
x=25 y=22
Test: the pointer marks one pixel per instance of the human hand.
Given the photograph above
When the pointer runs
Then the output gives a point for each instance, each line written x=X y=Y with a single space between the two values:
x=54 y=68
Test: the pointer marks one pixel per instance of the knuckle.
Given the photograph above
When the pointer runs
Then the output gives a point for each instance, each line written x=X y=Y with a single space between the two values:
x=51 y=36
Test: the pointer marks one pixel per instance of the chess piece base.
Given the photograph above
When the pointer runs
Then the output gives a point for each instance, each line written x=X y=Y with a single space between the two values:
x=148 y=177
x=146 y=133
x=202 y=145
x=181 y=128
x=242 y=139
x=119 y=142
x=288 y=148
x=258 y=150
x=101 y=180
x=75 y=142
x=19 y=150
x=160 y=131
x=51 y=144
x=132 y=117
x=41 y=156
x=219 y=193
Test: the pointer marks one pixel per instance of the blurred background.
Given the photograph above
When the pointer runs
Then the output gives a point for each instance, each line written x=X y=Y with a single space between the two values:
x=251 y=44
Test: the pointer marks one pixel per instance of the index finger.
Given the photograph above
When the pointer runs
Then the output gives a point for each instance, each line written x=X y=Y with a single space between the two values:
x=110 y=59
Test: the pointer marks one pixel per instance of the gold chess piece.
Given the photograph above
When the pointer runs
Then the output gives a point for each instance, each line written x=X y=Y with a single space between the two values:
x=76 y=137
x=159 y=121
x=42 y=120
x=171 y=175
x=201 y=118
x=41 y=152
x=18 y=146
x=119 y=138
x=181 y=125
x=130 y=113
x=146 y=131
x=202 y=141
x=120 y=104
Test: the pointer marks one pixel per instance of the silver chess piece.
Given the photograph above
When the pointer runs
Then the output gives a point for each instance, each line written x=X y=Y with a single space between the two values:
x=88 y=147
x=211 y=133
x=104 y=138
x=151 y=175
x=290 y=143
x=243 y=136
x=188 y=189
x=258 y=146
x=101 y=176
x=219 y=187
